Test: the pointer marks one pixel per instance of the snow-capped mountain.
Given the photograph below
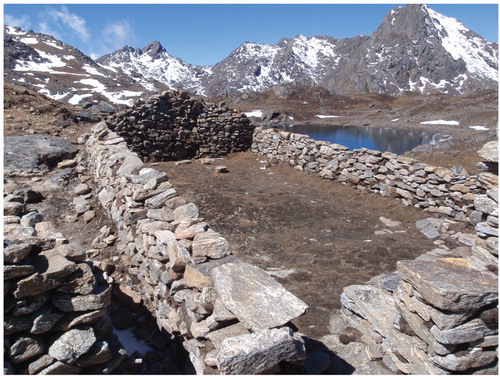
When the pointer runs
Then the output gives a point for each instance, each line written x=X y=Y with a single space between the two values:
x=418 y=49
x=62 y=72
x=154 y=62
x=259 y=67
x=414 y=49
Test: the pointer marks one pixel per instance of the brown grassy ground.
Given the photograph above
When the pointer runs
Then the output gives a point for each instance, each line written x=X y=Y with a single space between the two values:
x=318 y=235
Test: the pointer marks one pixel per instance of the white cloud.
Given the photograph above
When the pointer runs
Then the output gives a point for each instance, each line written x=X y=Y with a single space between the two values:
x=23 y=21
x=71 y=20
x=117 y=34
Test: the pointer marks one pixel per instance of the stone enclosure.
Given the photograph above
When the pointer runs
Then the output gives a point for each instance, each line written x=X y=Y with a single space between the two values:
x=436 y=314
x=173 y=126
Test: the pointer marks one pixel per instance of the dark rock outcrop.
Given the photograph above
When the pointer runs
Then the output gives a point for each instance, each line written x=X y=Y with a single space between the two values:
x=23 y=154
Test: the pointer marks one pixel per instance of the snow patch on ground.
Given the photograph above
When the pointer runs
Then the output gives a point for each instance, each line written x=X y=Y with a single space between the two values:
x=29 y=40
x=12 y=30
x=131 y=343
x=479 y=127
x=327 y=116
x=109 y=68
x=53 y=62
x=440 y=122
x=75 y=99
x=117 y=98
x=254 y=113
x=92 y=71
x=53 y=44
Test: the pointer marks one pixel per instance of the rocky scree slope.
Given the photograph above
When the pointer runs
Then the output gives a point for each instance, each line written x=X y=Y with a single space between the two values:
x=414 y=49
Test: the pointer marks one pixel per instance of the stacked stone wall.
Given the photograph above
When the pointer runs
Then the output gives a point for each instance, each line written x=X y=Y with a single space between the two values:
x=55 y=307
x=233 y=316
x=174 y=126
x=450 y=192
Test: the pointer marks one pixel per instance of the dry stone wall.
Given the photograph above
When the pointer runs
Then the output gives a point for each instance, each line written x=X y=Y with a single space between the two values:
x=174 y=126
x=55 y=305
x=438 y=190
x=234 y=316
x=436 y=314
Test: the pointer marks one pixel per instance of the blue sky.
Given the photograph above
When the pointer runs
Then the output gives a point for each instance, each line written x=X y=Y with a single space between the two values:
x=204 y=34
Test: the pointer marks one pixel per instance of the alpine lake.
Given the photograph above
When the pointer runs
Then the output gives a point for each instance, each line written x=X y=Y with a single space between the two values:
x=397 y=141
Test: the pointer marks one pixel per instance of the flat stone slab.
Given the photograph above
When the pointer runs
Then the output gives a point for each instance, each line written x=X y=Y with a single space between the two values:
x=70 y=303
x=450 y=283
x=35 y=152
x=72 y=344
x=430 y=227
x=254 y=297
x=199 y=275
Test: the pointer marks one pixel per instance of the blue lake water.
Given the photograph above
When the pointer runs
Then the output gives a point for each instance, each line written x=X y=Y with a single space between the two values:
x=396 y=141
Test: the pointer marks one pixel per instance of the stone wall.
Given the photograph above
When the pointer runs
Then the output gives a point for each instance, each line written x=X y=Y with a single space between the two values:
x=435 y=189
x=55 y=303
x=173 y=126
x=436 y=314
x=234 y=316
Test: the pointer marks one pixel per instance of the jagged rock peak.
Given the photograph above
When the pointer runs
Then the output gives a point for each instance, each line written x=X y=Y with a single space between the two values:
x=153 y=49
x=405 y=20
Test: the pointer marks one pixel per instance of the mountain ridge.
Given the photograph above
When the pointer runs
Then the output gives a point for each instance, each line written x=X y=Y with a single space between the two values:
x=414 y=49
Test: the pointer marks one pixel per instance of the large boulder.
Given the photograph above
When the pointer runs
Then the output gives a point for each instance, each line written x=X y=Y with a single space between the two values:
x=35 y=152
x=489 y=151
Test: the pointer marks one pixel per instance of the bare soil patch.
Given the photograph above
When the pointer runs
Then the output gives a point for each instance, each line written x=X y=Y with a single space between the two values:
x=316 y=236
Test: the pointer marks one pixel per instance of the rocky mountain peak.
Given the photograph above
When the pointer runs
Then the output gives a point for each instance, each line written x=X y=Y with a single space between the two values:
x=410 y=21
x=154 y=49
